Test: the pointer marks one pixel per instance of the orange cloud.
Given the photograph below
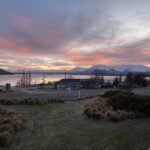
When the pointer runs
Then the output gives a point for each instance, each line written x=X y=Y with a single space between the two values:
x=90 y=59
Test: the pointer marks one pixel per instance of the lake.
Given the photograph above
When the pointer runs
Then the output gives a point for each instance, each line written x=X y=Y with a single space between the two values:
x=37 y=78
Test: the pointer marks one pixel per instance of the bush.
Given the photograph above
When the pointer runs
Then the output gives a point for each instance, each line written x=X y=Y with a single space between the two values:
x=131 y=102
x=136 y=79
x=123 y=114
x=110 y=94
x=113 y=116
x=30 y=101
x=120 y=105
x=10 y=121
x=96 y=108
x=6 y=127
x=5 y=120
x=11 y=112
x=17 y=124
x=5 y=138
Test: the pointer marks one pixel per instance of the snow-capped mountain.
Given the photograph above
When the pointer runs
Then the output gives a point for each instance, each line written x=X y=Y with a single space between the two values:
x=78 y=69
x=134 y=68
x=100 y=67
x=114 y=68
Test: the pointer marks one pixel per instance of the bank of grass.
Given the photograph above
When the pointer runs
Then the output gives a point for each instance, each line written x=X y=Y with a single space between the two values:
x=29 y=101
x=63 y=127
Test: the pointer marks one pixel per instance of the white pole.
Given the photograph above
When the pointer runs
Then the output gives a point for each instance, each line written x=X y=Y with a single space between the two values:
x=79 y=94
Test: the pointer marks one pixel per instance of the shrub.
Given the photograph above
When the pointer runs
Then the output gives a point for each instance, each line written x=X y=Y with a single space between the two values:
x=95 y=114
x=5 y=120
x=113 y=116
x=123 y=114
x=30 y=101
x=110 y=94
x=17 y=124
x=87 y=111
x=10 y=121
x=121 y=106
x=11 y=112
x=5 y=138
x=135 y=103
x=96 y=108
x=136 y=79
x=6 y=127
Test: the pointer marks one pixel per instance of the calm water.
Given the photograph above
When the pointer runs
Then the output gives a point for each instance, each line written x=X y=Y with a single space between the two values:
x=37 y=78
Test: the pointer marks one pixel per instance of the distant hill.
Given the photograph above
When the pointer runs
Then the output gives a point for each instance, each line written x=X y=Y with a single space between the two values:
x=111 y=69
x=96 y=69
x=3 y=72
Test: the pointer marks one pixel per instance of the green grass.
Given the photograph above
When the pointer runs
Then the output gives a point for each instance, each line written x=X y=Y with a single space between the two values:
x=63 y=127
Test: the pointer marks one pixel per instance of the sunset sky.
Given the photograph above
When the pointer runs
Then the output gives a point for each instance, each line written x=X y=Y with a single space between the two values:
x=63 y=34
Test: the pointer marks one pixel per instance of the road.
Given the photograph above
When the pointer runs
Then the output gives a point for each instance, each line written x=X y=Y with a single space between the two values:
x=55 y=94
x=69 y=95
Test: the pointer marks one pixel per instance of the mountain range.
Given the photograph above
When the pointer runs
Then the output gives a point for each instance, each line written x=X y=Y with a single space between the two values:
x=111 y=69
x=101 y=69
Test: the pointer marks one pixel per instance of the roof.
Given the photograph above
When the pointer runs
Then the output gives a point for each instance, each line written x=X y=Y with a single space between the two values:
x=75 y=80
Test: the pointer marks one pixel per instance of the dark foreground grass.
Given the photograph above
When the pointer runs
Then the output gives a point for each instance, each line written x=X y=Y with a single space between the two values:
x=63 y=127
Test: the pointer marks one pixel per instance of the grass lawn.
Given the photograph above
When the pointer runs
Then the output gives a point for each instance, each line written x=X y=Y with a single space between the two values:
x=63 y=127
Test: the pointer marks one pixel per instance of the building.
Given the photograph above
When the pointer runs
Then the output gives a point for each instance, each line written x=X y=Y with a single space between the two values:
x=68 y=83
x=79 y=83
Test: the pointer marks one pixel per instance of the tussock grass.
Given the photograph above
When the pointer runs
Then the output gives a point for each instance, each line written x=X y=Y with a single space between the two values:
x=10 y=121
x=118 y=105
x=29 y=101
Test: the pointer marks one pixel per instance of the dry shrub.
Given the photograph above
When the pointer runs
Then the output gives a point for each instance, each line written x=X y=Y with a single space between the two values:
x=7 y=127
x=5 y=138
x=35 y=101
x=98 y=108
x=11 y=113
x=123 y=114
x=113 y=116
x=10 y=121
x=95 y=114
x=131 y=115
x=95 y=108
x=17 y=124
x=29 y=101
x=52 y=100
x=5 y=120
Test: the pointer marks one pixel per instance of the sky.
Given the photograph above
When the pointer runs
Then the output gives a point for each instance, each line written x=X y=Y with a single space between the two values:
x=63 y=34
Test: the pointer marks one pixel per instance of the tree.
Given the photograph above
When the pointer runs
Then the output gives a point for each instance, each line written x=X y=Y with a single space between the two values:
x=116 y=82
x=129 y=78
x=43 y=81
x=136 y=79
x=120 y=78
x=140 y=80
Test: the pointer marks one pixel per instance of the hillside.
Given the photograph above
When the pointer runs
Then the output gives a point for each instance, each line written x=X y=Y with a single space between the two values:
x=3 y=72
